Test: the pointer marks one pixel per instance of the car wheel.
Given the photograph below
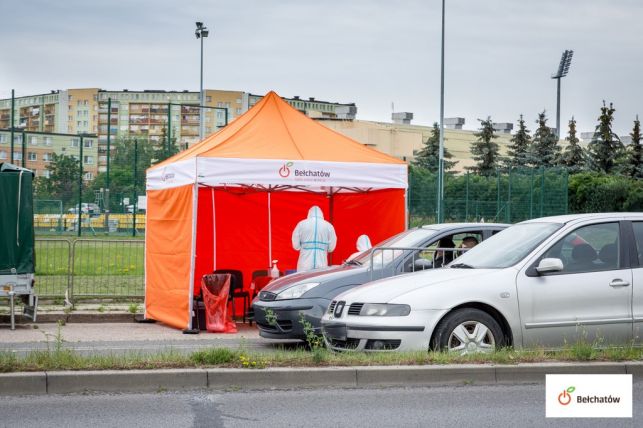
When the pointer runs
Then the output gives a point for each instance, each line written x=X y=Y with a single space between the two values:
x=467 y=331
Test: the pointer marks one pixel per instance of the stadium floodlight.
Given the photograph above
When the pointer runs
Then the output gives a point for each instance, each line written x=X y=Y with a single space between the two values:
x=201 y=32
x=563 y=69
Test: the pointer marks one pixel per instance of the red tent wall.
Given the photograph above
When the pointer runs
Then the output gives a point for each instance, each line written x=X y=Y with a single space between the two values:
x=378 y=214
x=241 y=217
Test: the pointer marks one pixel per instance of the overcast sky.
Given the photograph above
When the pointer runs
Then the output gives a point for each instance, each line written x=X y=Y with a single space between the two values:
x=500 y=54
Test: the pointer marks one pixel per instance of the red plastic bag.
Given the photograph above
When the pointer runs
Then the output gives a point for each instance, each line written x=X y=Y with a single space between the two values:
x=215 y=289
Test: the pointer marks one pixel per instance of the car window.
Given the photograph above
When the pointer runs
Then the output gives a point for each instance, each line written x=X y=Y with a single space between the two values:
x=588 y=249
x=638 y=236
x=507 y=247
x=442 y=251
x=409 y=238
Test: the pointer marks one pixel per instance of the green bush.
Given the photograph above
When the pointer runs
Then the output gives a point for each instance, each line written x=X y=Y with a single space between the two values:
x=595 y=192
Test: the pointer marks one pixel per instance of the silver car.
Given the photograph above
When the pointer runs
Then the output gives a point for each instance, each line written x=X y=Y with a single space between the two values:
x=543 y=282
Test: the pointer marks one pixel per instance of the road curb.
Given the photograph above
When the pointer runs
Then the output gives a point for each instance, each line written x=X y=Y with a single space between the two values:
x=63 y=382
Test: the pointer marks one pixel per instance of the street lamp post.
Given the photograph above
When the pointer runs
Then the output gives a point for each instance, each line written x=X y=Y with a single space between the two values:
x=563 y=69
x=440 y=198
x=201 y=32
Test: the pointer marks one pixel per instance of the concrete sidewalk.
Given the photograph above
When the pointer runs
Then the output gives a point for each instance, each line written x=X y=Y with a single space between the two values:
x=286 y=378
x=123 y=338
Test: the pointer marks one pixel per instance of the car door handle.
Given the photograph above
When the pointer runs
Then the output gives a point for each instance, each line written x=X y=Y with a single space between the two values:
x=619 y=283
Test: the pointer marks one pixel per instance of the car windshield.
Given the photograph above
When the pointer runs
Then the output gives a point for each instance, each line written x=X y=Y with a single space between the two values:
x=507 y=247
x=409 y=238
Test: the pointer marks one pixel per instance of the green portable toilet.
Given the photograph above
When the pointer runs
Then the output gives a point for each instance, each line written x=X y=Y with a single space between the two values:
x=17 y=254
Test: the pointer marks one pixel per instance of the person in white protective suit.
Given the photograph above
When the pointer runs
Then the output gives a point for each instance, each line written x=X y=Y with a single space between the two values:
x=363 y=244
x=314 y=238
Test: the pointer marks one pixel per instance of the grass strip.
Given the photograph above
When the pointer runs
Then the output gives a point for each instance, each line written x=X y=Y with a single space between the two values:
x=64 y=359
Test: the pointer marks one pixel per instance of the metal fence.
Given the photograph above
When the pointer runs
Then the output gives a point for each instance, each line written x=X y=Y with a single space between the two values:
x=506 y=196
x=89 y=268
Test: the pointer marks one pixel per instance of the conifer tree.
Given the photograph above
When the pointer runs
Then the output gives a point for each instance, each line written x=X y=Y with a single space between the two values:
x=429 y=156
x=518 y=150
x=634 y=166
x=573 y=157
x=484 y=149
x=544 y=147
x=605 y=150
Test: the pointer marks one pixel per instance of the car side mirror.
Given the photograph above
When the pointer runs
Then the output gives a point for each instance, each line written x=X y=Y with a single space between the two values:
x=422 y=264
x=549 y=265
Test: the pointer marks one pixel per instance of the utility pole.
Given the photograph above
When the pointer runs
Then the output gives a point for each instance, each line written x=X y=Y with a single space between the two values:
x=201 y=32
x=13 y=106
x=109 y=151
x=440 y=213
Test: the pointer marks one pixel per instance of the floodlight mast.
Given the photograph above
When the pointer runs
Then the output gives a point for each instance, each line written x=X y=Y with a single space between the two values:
x=201 y=32
x=563 y=69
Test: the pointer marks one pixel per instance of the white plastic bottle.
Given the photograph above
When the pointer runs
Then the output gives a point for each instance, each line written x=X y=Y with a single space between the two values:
x=274 y=272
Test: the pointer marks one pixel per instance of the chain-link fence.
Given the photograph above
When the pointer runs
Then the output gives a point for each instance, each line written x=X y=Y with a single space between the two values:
x=506 y=196
x=72 y=177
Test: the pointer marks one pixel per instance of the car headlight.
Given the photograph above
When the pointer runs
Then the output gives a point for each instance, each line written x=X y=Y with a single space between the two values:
x=296 y=291
x=384 y=310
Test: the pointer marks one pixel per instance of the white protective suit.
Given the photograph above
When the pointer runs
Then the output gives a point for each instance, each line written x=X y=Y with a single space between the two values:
x=314 y=238
x=363 y=244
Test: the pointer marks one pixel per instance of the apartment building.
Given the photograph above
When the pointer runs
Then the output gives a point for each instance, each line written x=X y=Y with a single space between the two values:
x=38 y=149
x=147 y=114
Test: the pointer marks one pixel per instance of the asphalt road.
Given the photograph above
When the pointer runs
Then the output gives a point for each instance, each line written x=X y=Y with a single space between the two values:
x=466 y=406
x=127 y=338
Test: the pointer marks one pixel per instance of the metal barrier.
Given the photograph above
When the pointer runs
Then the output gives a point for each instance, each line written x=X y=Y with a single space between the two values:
x=53 y=267
x=90 y=268
x=390 y=261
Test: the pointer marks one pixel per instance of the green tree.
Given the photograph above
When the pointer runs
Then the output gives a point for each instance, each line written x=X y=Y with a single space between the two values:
x=634 y=164
x=605 y=150
x=484 y=150
x=62 y=182
x=429 y=156
x=544 y=147
x=518 y=150
x=162 y=150
x=121 y=175
x=573 y=156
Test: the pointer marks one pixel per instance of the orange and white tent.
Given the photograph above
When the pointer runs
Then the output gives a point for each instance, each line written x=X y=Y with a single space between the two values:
x=232 y=201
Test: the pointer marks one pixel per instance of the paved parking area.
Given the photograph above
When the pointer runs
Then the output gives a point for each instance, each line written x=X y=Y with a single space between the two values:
x=114 y=338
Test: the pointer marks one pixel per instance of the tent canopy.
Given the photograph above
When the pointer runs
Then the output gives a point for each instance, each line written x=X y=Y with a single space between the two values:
x=232 y=201
x=274 y=144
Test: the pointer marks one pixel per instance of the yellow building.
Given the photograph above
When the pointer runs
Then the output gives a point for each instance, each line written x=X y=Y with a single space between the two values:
x=405 y=140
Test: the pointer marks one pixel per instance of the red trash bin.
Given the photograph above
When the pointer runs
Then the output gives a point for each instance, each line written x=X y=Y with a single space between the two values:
x=215 y=289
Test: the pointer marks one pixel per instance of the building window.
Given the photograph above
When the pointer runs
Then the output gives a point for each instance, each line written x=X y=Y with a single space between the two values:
x=79 y=123
x=17 y=139
x=3 y=154
x=17 y=156
x=238 y=100
x=238 y=111
x=46 y=173
x=32 y=156
x=219 y=104
x=75 y=142
x=88 y=144
x=46 y=157
x=89 y=160
x=88 y=176
x=47 y=141
x=33 y=140
x=3 y=138
x=208 y=99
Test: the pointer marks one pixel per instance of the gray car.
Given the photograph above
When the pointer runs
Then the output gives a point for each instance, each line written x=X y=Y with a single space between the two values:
x=308 y=294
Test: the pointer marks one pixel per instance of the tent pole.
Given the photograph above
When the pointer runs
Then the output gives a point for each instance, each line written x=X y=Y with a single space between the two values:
x=331 y=214
x=269 y=231
x=406 y=209
x=214 y=234
x=195 y=207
